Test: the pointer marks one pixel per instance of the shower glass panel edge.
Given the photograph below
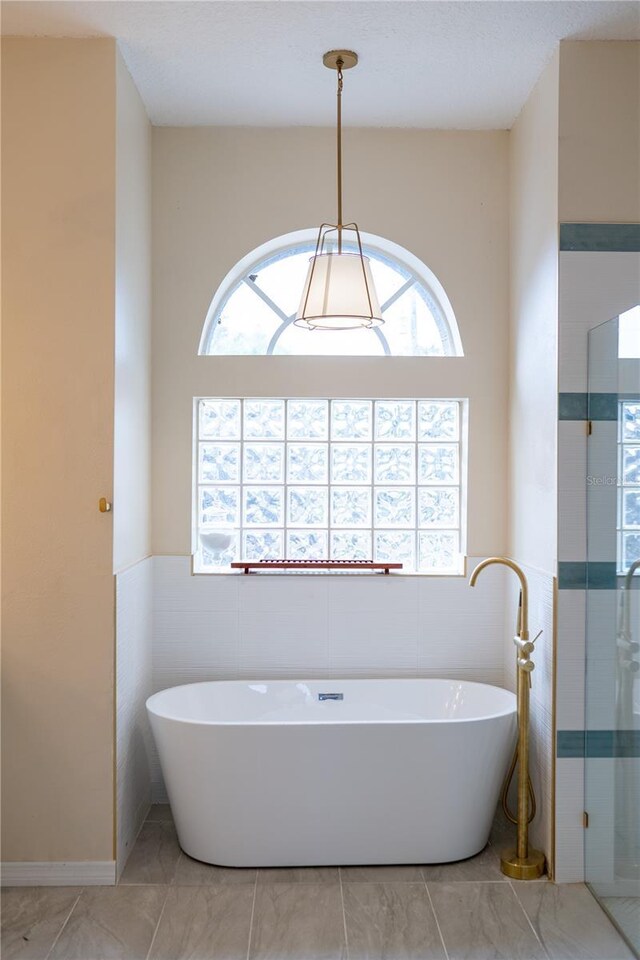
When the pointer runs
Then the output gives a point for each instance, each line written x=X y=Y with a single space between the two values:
x=612 y=685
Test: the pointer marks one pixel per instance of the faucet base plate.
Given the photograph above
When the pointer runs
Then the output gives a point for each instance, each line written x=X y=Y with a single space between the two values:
x=523 y=868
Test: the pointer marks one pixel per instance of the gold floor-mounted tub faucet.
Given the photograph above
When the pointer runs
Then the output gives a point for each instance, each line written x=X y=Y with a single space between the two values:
x=523 y=863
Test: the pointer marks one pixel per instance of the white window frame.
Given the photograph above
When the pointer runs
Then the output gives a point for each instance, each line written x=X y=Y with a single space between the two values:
x=416 y=274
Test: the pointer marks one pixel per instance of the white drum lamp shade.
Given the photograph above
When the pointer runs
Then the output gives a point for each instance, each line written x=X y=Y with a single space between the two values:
x=339 y=294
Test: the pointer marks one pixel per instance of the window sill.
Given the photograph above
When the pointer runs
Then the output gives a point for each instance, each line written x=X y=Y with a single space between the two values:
x=397 y=574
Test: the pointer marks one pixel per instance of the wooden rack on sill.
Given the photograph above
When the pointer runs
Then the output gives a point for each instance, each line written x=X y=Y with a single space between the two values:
x=248 y=565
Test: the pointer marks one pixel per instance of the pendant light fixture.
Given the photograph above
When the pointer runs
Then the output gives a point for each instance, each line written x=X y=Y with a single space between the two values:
x=339 y=293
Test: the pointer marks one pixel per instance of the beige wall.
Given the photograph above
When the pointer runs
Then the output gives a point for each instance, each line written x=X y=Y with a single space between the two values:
x=132 y=458
x=132 y=433
x=533 y=379
x=219 y=193
x=599 y=165
x=58 y=231
x=533 y=401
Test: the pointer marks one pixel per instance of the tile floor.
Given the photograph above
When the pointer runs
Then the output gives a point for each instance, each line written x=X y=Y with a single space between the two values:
x=169 y=907
x=626 y=912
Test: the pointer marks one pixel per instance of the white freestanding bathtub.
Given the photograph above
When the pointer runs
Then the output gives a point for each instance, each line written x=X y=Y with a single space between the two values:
x=301 y=773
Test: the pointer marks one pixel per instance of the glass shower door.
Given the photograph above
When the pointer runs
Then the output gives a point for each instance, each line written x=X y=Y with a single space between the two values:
x=612 y=695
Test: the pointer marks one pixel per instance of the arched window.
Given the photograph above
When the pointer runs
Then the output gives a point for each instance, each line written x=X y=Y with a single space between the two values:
x=254 y=308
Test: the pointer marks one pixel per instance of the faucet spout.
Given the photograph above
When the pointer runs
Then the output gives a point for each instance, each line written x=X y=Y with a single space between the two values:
x=522 y=626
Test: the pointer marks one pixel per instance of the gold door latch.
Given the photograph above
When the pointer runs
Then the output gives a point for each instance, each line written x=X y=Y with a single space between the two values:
x=104 y=505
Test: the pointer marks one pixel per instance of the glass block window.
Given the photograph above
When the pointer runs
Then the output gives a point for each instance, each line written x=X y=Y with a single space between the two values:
x=329 y=479
x=253 y=310
x=629 y=485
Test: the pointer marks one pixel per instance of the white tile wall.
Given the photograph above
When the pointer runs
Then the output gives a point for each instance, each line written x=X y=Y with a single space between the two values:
x=603 y=610
x=572 y=490
x=602 y=492
x=601 y=694
x=188 y=644
x=571 y=664
x=600 y=802
x=133 y=683
x=570 y=680
x=571 y=621
x=461 y=630
x=572 y=354
x=175 y=590
x=613 y=838
x=627 y=826
x=569 y=828
x=593 y=288
x=299 y=650
x=603 y=374
x=365 y=643
x=228 y=627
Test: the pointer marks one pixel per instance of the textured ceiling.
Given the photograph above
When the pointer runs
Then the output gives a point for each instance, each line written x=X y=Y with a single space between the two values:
x=423 y=63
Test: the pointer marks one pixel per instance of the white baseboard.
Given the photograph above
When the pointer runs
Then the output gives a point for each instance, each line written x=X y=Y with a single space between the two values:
x=78 y=873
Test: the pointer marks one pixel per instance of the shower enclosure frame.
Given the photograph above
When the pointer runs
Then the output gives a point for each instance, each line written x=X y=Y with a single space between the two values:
x=612 y=631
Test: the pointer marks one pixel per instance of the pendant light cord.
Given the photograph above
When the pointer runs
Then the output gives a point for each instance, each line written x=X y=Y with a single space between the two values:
x=339 y=146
